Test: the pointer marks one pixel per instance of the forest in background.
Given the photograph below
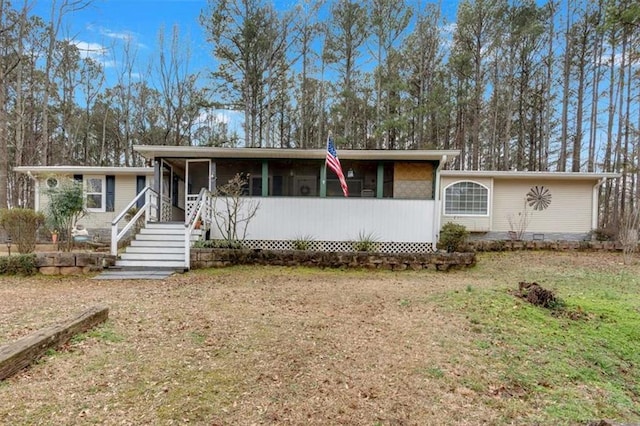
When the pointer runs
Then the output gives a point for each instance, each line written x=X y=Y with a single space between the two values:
x=514 y=85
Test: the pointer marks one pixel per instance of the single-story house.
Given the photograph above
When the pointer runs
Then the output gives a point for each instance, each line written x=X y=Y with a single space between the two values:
x=522 y=205
x=400 y=199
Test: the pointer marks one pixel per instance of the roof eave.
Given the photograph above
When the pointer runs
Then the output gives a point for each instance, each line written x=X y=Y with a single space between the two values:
x=99 y=170
x=530 y=175
x=153 y=151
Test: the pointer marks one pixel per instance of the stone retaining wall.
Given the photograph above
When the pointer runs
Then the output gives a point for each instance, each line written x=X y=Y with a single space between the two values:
x=502 y=245
x=61 y=263
x=216 y=258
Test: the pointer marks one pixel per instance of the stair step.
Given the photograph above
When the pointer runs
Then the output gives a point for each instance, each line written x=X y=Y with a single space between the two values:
x=157 y=243
x=150 y=263
x=162 y=231
x=160 y=237
x=152 y=256
x=156 y=249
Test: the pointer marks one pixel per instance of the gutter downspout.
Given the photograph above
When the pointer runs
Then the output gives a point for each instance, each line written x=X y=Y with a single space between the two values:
x=437 y=207
x=594 y=203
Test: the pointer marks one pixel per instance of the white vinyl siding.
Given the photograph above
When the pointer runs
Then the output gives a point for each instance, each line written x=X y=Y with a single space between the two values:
x=340 y=219
x=569 y=211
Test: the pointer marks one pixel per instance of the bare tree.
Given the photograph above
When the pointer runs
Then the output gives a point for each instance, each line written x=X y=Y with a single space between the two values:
x=232 y=212
x=628 y=232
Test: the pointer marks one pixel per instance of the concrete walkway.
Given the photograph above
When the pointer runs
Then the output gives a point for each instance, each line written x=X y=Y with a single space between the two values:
x=135 y=274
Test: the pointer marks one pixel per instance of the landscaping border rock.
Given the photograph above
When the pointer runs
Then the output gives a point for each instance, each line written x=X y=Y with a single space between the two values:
x=61 y=263
x=218 y=258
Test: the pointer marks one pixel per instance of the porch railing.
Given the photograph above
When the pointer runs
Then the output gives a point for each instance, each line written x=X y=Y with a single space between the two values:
x=201 y=211
x=150 y=209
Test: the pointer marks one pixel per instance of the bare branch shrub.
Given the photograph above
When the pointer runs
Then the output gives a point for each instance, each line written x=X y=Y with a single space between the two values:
x=232 y=212
x=518 y=223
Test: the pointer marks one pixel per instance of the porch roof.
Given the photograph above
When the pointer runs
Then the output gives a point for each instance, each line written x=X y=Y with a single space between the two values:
x=164 y=151
x=83 y=170
x=528 y=175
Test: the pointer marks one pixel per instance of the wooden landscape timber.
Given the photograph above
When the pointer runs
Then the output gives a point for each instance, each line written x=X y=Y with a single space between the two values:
x=20 y=354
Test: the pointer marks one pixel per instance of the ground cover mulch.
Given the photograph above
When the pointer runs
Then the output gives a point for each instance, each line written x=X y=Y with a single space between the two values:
x=263 y=345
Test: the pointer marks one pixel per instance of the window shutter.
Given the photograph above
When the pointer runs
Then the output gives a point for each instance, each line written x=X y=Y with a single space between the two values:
x=111 y=193
x=141 y=182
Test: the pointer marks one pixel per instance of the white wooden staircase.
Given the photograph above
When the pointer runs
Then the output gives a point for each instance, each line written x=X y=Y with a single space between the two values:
x=157 y=245
x=160 y=244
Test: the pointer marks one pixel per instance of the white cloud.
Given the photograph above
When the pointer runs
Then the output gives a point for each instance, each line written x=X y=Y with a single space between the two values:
x=124 y=36
x=90 y=50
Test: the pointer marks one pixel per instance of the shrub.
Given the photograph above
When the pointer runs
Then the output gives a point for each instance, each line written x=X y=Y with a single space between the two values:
x=366 y=242
x=453 y=237
x=22 y=226
x=604 y=234
x=24 y=264
x=223 y=244
x=303 y=242
x=66 y=206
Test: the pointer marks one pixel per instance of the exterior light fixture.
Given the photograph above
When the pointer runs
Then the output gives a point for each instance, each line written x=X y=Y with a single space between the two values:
x=350 y=173
x=9 y=245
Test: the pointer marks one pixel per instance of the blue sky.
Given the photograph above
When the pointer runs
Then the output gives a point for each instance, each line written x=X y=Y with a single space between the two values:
x=105 y=24
x=102 y=28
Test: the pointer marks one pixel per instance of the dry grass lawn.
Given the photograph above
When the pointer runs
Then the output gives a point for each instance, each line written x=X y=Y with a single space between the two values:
x=243 y=346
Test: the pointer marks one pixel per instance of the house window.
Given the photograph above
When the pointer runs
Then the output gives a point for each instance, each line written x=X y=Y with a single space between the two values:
x=466 y=198
x=95 y=195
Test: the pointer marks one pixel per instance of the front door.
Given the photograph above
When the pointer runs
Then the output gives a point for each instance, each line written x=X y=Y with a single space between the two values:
x=198 y=176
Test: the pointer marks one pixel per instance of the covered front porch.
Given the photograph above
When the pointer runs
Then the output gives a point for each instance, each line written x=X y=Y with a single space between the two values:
x=392 y=196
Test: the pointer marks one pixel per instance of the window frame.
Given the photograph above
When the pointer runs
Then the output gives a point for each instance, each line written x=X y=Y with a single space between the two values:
x=445 y=196
x=103 y=193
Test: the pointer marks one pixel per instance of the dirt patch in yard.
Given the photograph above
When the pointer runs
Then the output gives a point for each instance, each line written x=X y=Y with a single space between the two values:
x=261 y=346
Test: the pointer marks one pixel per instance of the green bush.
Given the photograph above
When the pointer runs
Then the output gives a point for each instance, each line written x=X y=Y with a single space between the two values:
x=224 y=244
x=24 y=264
x=453 y=237
x=302 y=242
x=22 y=226
x=366 y=242
x=66 y=207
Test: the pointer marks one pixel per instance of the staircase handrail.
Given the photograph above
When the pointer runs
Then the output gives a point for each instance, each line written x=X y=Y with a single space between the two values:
x=117 y=236
x=190 y=223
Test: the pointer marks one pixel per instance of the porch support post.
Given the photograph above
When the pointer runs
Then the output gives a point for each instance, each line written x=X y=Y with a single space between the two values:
x=265 y=178
x=323 y=180
x=380 y=180
x=213 y=178
x=157 y=178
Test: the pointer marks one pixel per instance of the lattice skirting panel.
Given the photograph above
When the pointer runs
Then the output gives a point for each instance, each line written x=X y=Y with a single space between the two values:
x=341 y=246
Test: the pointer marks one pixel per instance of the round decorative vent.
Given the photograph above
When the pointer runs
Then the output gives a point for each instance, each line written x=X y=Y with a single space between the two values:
x=52 y=182
x=539 y=197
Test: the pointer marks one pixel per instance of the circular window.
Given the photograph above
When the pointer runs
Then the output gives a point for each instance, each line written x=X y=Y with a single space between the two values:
x=52 y=182
x=539 y=197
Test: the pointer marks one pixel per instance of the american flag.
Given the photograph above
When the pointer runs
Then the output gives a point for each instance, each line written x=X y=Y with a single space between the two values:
x=334 y=164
